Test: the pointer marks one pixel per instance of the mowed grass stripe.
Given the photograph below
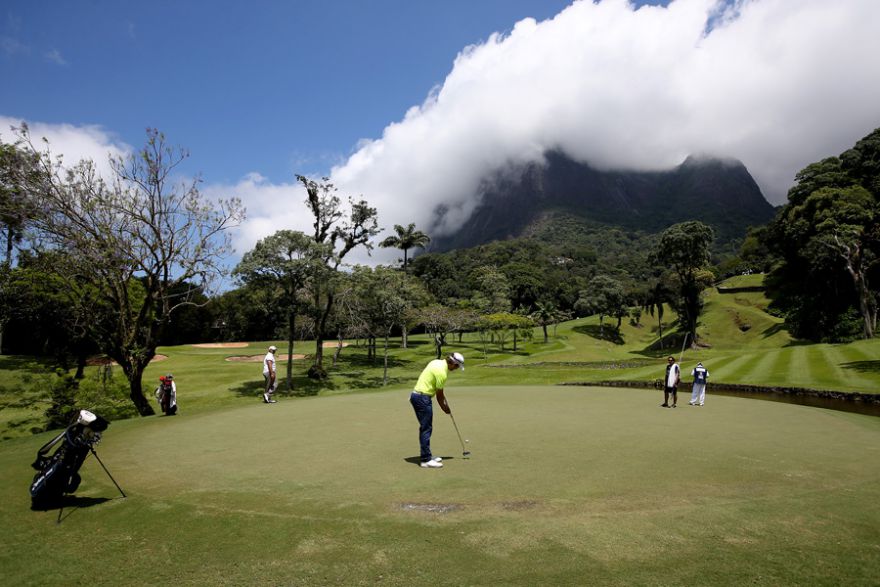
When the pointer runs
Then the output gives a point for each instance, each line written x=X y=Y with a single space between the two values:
x=761 y=366
x=798 y=372
x=736 y=369
x=821 y=365
x=781 y=365
x=845 y=356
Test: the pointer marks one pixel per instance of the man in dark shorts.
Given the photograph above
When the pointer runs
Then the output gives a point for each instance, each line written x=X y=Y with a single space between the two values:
x=670 y=384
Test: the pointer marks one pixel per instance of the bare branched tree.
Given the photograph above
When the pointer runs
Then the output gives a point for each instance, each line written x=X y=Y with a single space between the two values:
x=133 y=238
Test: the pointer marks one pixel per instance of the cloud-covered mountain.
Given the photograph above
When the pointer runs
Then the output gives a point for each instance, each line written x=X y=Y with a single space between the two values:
x=527 y=199
x=773 y=83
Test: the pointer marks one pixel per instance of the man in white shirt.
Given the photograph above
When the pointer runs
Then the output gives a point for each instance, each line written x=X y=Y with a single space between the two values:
x=269 y=373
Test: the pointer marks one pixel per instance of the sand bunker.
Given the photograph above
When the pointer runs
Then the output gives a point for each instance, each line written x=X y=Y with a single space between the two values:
x=333 y=345
x=259 y=358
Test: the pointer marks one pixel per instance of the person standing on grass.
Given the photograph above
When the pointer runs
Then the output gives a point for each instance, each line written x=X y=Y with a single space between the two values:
x=700 y=375
x=166 y=395
x=670 y=384
x=431 y=382
x=269 y=372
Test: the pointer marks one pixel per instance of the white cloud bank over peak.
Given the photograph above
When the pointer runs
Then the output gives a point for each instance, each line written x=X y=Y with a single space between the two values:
x=774 y=83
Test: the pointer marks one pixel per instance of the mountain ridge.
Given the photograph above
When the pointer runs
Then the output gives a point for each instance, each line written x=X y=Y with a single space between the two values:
x=516 y=202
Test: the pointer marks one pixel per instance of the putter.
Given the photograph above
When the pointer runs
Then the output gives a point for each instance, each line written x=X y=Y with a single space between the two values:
x=464 y=452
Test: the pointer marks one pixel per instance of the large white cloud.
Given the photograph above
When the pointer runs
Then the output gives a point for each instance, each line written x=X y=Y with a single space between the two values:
x=270 y=208
x=74 y=143
x=774 y=83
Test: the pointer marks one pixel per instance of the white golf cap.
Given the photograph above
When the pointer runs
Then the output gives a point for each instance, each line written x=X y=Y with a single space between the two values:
x=458 y=359
x=273 y=348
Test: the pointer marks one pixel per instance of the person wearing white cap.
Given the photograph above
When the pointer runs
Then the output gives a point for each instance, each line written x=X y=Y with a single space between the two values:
x=431 y=382
x=269 y=372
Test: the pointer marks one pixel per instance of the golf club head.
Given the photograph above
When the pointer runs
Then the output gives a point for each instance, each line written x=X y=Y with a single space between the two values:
x=466 y=454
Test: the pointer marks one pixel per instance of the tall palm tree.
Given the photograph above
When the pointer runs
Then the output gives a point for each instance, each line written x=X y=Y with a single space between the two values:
x=406 y=239
x=657 y=295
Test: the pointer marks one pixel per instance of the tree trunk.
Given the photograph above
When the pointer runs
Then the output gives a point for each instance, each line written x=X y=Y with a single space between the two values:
x=544 y=326
x=868 y=313
x=319 y=335
x=10 y=237
x=660 y=328
x=135 y=385
x=291 y=324
x=385 y=371
x=338 y=349
x=439 y=341
x=80 y=364
x=514 y=341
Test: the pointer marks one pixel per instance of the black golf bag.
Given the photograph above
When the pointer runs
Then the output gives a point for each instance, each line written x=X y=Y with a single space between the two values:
x=59 y=474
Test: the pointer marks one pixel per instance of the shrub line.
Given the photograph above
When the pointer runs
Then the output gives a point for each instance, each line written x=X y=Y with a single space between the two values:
x=848 y=396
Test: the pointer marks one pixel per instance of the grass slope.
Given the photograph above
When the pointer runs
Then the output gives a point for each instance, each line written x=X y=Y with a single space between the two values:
x=567 y=486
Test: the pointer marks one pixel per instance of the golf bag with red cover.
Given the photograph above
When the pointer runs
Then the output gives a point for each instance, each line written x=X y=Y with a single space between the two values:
x=58 y=474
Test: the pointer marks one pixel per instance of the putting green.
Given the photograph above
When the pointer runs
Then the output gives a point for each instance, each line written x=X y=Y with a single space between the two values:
x=566 y=485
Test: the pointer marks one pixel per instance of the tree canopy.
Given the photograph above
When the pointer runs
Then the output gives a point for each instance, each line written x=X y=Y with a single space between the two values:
x=406 y=239
x=827 y=240
x=131 y=240
x=684 y=250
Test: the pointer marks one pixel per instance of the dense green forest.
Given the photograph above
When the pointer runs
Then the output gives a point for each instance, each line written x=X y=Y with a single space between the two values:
x=122 y=267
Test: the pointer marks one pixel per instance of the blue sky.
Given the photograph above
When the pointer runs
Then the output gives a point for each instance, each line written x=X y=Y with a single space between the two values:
x=412 y=103
x=275 y=87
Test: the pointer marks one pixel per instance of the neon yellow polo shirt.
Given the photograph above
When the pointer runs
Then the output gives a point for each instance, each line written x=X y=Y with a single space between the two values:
x=433 y=377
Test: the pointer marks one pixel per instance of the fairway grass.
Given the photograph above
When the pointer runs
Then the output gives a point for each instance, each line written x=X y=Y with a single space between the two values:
x=566 y=486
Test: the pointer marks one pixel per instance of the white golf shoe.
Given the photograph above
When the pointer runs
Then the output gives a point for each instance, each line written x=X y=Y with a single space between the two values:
x=431 y=465
x=438 y=459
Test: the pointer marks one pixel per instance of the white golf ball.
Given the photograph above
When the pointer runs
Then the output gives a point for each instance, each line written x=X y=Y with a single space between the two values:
x=466 y=440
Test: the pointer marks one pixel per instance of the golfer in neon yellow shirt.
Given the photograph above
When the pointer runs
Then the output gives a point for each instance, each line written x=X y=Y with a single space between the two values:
x=431 y=382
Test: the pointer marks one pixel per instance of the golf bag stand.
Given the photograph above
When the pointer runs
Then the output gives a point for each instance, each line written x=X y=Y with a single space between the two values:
x=58 y=474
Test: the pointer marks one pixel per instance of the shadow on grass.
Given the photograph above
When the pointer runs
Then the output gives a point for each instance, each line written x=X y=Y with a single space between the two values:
x=415 y=342
x=494 y=352
x=30 y=364
x=799 y=342
x=418 y=460
x=607 y=333
x=863 y=366
x=71 y=503
x=362 y=361
x=375 y=382
x=302 y=387
x=775 y=329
